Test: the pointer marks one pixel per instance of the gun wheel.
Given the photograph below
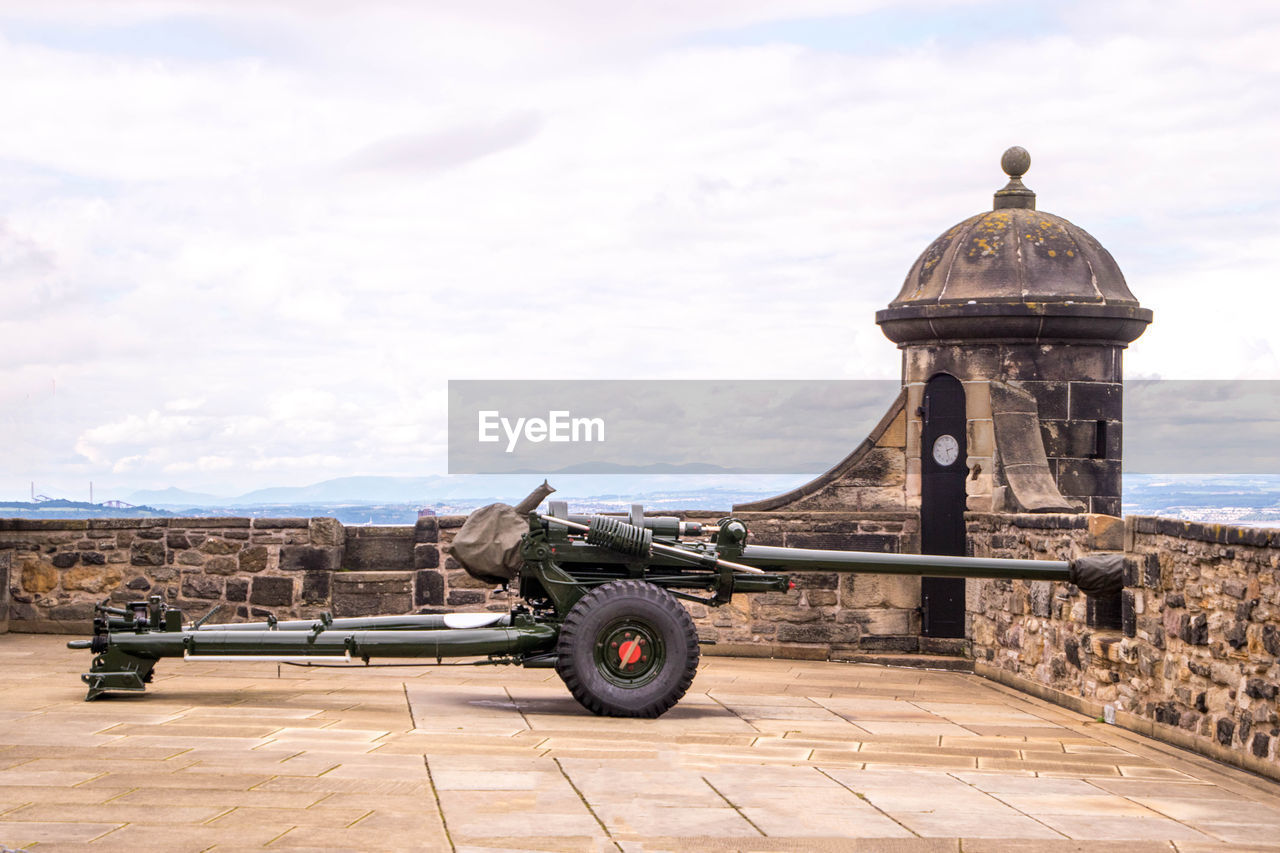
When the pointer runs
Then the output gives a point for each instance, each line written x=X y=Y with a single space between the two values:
x=627 y=649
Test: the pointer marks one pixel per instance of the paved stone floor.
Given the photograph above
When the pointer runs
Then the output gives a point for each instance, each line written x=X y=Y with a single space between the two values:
x=761 y=756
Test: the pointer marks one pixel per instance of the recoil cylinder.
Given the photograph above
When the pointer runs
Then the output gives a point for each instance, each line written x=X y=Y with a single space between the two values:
x=607 y=532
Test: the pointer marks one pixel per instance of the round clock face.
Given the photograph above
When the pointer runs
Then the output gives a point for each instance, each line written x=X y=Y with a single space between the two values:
x=945 y=450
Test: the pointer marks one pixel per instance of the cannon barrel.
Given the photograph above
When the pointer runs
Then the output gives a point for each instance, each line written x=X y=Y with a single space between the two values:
x=814 y=560
x=1094 y=574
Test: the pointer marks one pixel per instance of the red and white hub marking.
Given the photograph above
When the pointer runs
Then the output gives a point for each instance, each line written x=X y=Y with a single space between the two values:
x=630 y=651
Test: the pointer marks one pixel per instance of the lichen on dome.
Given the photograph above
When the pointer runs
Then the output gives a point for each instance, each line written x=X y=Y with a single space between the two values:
x=1013 y=261
x=1015 y=253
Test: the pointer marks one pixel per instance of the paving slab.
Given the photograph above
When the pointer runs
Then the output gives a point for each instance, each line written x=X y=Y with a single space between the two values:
x=761 y=755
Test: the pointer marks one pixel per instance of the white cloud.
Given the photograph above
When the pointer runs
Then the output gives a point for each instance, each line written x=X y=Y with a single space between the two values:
x=273 y=262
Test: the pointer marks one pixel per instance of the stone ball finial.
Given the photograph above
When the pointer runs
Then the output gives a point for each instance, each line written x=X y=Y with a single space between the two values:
x=1015 y=162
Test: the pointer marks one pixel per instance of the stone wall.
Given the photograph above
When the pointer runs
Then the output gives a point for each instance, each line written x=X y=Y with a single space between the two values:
x=6 y=559
x=1037 y=629
x=1207 y=597
x=828 y=615
x=290 y=567
x=1195 y=659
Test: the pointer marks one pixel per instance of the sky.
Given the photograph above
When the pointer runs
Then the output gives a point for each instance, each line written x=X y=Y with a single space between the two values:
x=248 y=244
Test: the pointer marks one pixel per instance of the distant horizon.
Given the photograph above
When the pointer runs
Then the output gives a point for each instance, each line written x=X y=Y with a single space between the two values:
x=497 y=485
x=1242 y=499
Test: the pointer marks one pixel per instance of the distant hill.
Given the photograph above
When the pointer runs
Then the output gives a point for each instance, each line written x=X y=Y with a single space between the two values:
x=611 y=468
x=173 y=497
x=474 y=488
x=75 y=509
x=344 y=489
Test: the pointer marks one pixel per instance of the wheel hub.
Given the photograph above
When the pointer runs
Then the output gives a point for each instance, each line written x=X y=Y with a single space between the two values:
x=629 y=653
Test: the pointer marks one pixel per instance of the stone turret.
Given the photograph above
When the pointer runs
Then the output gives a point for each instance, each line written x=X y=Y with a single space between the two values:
x=1031 y=314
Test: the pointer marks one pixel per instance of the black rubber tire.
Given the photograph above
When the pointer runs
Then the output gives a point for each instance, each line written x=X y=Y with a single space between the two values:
x=610 y=611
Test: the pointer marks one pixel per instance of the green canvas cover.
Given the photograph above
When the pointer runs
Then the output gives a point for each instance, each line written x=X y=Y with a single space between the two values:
x=488 y=545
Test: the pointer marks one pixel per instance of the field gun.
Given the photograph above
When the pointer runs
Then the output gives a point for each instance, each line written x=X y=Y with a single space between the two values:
x=599 y=600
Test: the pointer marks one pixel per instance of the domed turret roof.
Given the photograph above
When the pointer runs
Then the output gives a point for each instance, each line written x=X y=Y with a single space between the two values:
x=1014 y=273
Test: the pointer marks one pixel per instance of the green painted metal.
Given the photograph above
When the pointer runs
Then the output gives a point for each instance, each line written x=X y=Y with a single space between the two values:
x=408 y=622
x=461 y=642
x=812 y=560
x=127 y=661
x=117 y=671
x=564 y=558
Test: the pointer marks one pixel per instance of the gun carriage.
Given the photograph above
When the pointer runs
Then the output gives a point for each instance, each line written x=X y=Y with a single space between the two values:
x=599 y=601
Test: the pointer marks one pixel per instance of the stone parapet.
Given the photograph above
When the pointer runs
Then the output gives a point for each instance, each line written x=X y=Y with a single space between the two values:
x=54 y=571
x=6 y=558
x=1193 y=660
x=372 y=593
x=376 y=549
